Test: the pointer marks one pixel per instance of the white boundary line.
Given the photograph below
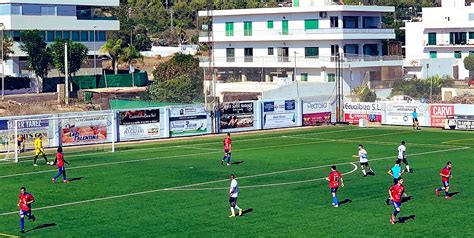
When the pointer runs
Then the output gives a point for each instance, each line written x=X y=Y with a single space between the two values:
x=215 y=181
x=177 y=146
x=266 y=185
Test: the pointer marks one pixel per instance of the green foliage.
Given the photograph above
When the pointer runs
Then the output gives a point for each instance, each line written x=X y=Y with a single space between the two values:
x=7 y=48
x=469 y=63
x=419 y=88
x=178 y=80
x=142 y=42
x=365 y=94
x=77 y=55
x=130 y=54
x=39 y=55
x=113 y=47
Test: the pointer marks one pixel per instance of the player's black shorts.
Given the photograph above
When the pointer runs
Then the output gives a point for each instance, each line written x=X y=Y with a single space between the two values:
x=395 y=181
x=415 y=119
x=232 y=201
x=364 y=164
x=404 y=160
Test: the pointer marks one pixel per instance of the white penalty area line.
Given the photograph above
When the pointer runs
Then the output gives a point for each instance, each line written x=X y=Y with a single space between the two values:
x=124 y=149
x=7 y=235
x=215 y=181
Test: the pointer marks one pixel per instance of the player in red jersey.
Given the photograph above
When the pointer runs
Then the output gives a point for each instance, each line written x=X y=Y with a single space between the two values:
x=445 y=174
x=227 y=150
x=26 y=199
x=395 y=192
x=335 y=179
x=59 y=161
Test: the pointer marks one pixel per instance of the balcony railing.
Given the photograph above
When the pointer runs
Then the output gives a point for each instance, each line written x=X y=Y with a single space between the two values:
x=280 y=32
x=260 y=60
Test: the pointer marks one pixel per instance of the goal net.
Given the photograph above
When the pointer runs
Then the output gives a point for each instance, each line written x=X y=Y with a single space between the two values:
x=80 y=136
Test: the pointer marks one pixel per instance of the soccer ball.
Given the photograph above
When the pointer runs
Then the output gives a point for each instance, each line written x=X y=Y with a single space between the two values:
x=51 y=163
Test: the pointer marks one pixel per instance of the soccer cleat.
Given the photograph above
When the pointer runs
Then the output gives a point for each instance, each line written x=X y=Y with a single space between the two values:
x=53 y=180
x=387 y=201
x=437 y=192
x=35 y=165
x=240 y=212
x=65 y=181
x=336 y=206
x=228 y=164
x=22 y=231
x=222 y=162
x=365 y=175
x=447 y=197
x=231 y=215
x=392 y=221
x=33 y=218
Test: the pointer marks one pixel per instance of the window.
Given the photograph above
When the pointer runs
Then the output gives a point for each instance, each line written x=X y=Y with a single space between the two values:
x=59 y=35
x=248 y=54
x=311 y=24
x=458 y=38
x=5 y=9
x=102 y=36
x=247 y=28
x=66 y=10
x=331 y=77
x=270 y=24
x=334 y=22
x=471 y=35
x=84 y=36
x=431 y=38
x=371 y=49
x=48 y=10
x=230 y=54
x=66 y=35
x=75 y=36
x=433 y=54
x=304 y=77
x=229 y=29
x=91 y=36
x=370 y=22
x=351 y=49
x=42 y=34
x=311 y=52
x=457 y=54
x=471 y=53
x=350 y=22
x=284 y=27
x=16 y=35
x=30 y=9
x=50 y=36
x=296 y=3
x=16 y=9
x=270 y=50
x=471 y=16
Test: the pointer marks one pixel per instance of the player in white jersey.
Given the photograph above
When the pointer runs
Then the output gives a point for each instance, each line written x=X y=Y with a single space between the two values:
x=402 y=157
x=364 y=162
x=233 y=194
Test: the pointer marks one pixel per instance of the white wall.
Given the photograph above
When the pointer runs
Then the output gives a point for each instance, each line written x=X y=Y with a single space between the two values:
x=111 y=3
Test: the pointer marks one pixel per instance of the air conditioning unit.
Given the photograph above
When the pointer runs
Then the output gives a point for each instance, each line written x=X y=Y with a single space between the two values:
x=470 y=41
x=323 y=14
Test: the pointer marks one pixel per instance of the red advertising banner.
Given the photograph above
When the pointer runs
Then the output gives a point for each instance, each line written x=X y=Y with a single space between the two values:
x=313 y=119
x=439 y=113
x=84 y=135
x=353 y=118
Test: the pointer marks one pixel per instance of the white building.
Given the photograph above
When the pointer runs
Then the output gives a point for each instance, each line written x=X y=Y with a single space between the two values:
x=63 y=19
x=255 y=50
x=438 y=43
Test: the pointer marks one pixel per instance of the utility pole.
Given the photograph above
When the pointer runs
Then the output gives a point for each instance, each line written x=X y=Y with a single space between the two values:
x=95 y=51
x=66 y=72
x=3 y=63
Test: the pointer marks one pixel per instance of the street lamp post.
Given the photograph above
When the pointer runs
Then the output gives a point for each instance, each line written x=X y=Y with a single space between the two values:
x=95 y=51
x=296 y=81
x=3 y=62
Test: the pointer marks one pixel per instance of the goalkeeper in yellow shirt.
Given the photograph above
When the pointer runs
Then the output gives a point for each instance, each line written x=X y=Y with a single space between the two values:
x=39 y=149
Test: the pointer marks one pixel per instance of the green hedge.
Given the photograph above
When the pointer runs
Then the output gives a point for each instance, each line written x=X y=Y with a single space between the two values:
x=12 y=83
x=97 y=81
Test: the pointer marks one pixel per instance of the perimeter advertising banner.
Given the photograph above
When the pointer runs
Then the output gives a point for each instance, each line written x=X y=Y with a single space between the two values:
x=237 y=115
x=316 y=113
x=29 y=130
x=139 y=124
x=281 y=113
x=401 y=113
x=459 y=124
x=87 y=130
x=439 y=113
x=190 y=120
x=372 y=111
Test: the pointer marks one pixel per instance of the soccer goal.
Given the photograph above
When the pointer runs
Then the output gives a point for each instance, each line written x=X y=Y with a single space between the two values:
x=80 y=136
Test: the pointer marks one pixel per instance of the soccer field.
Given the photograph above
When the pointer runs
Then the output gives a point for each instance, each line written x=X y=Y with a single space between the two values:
x=179 y=188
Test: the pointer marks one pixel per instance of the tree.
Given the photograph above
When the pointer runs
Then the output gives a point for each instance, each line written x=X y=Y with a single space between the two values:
x=77 y=55
x=419 y=88
x=7 y=48
x=38 y=54
x=113 y=47
x=469 y=64
x=142 y=42
x=129 y=54
x=178 y=80
x=365 y=94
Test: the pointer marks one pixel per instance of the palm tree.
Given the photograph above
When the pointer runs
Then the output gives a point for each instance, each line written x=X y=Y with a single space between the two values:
x=113 y=47
x=129 y=54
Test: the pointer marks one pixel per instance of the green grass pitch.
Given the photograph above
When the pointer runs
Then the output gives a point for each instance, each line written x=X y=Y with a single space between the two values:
x=179 y=188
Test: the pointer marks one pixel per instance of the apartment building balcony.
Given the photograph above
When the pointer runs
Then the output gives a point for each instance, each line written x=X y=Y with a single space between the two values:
x=348 y=60
x=296 y=34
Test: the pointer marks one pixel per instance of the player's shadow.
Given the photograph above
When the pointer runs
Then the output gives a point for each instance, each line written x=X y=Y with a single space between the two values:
x=237 y=162
x=246 y=211
x=405 y=219
x=406 y=199
x=76 y=179
x=42 y=226
x=453 y=194
x=347 y=200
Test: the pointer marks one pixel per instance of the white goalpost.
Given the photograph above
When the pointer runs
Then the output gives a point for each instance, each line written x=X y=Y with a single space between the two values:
x=79 y=135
